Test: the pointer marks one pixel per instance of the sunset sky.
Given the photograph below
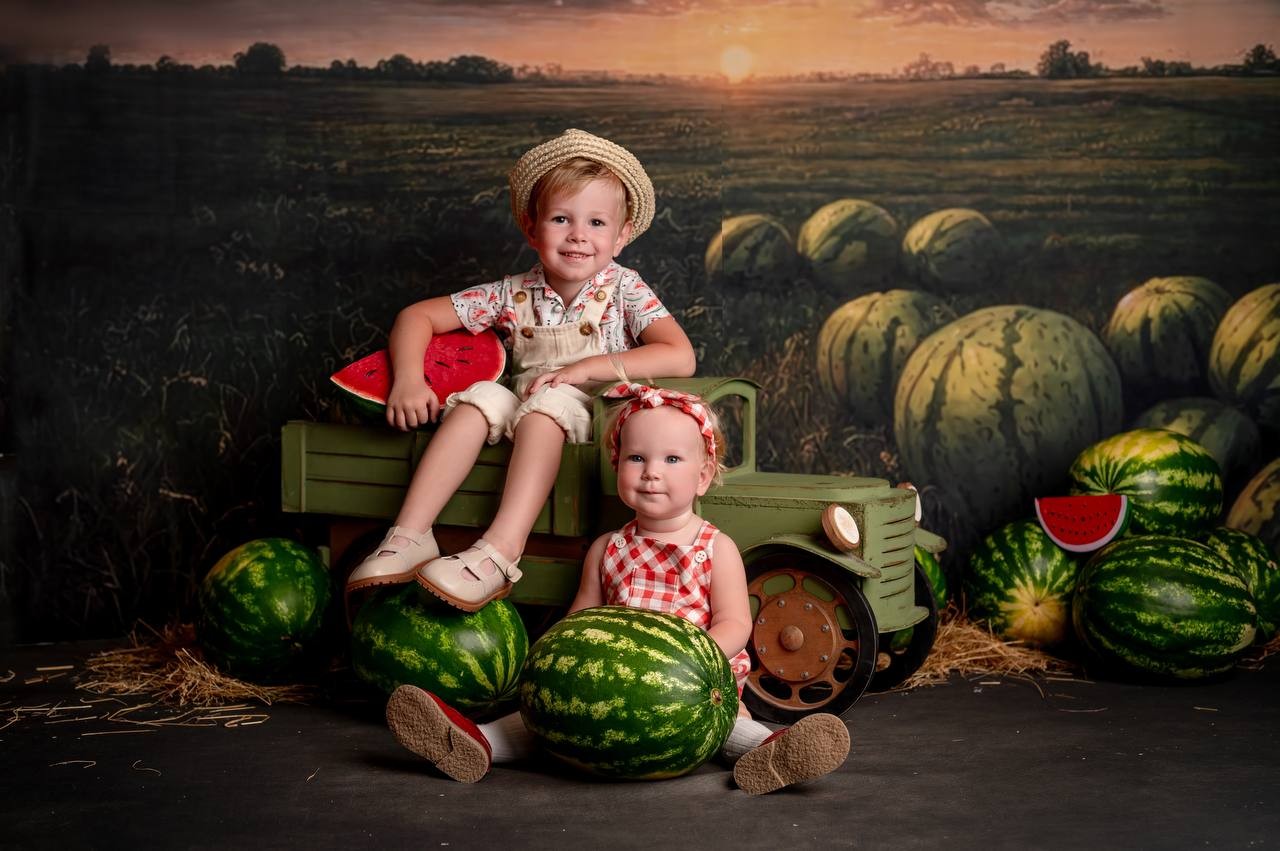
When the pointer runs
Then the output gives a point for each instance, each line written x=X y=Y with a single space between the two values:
x=765 y=37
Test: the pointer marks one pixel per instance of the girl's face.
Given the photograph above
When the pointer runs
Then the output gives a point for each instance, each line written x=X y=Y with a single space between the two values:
x=577 y=235
x=662 y=465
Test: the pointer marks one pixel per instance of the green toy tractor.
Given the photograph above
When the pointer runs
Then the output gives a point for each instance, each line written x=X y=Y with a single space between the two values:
x=830 y=560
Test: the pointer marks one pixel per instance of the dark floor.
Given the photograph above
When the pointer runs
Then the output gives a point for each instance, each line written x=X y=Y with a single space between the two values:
x=966 y=765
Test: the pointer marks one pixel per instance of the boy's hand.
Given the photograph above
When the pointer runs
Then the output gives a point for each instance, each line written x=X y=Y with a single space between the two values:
x=574 y=374
x=410 y=407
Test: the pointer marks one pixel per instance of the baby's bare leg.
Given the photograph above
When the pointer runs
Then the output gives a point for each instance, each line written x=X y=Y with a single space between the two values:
x=449 y=457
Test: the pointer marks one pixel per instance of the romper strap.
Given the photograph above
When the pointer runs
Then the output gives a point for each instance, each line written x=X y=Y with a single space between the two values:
x=522 y=298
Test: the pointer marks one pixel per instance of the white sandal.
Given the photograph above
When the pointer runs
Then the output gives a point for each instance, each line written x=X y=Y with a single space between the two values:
x=445 y=577
x=402 y=561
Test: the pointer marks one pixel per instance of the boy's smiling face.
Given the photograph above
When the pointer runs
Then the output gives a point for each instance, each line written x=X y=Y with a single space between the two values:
x=577 y=234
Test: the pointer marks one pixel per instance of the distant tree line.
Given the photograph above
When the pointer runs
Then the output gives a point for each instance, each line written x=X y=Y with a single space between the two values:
x=264 y=61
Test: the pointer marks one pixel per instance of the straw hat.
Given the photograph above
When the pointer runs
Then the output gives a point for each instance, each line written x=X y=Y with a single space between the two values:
x=572 y=144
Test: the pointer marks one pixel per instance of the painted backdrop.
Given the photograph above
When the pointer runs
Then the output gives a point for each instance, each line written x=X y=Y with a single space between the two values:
x=207 y=208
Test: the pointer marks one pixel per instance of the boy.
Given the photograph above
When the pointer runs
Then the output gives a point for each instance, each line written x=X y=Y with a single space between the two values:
x=573 y=322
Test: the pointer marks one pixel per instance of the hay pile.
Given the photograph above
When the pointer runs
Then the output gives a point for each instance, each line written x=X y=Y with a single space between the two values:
x=169 y=667
x=966 y=649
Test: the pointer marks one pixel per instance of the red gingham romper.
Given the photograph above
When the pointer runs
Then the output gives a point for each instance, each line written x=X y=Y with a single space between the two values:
x=644 y=573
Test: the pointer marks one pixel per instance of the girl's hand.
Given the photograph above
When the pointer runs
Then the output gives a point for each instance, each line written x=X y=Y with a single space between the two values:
x=410 y=407
x=573 y=374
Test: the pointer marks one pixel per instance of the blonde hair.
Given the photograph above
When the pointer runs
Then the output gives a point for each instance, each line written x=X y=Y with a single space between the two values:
x=571 y=177
x=612 y=426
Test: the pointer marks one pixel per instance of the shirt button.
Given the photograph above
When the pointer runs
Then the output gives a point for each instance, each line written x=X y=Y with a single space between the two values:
x=526 y=332
x=700 y=556
x=619 y=541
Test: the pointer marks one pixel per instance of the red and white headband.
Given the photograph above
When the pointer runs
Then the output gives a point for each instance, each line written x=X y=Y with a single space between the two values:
x=643 y=396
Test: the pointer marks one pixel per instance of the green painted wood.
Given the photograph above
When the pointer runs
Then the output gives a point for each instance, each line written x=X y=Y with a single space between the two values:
x=293 y=450
x=547 y=581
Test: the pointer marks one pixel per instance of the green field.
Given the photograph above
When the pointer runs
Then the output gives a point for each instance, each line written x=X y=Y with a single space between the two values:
x=193 y=260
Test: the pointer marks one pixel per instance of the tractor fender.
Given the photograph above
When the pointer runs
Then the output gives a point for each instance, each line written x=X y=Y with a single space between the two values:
x=814 y=546
x=928 y=541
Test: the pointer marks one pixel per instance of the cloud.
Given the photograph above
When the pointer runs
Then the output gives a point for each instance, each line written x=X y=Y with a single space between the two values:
x=971 y=13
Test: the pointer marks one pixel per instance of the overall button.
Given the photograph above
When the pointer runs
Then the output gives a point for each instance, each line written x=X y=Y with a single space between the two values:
x=601 y=295
x=519 y=296
x=585 y=329
x=526 y=332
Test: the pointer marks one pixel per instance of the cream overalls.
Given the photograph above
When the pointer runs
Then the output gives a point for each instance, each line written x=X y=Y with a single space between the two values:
x=535 y=350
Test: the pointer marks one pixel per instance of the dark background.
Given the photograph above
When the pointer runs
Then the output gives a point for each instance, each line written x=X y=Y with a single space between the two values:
x=185 y=260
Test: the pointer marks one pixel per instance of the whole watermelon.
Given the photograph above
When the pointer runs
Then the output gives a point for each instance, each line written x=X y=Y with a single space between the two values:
x=1253 y=562
x=850 y=244
x=628 y=694
x=953 y=250
x=1244 y=359
x=1173 y=483
x=1159 y=334
x=1229 y=436
x=1021 y=583
x=752 y=245
x=262 y=607
x=472 y=660
x=1257 y=508
x=864 y=345
x=992 y=408
x=1163 y=606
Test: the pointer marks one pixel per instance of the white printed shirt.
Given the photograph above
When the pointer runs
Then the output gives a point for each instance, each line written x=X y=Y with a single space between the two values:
x=491 y=306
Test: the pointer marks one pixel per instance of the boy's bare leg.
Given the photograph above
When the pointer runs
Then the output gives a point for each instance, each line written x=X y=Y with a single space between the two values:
x=450 y=455
x=535 y=461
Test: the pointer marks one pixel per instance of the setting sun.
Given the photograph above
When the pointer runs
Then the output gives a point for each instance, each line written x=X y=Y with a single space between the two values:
x=735 y=63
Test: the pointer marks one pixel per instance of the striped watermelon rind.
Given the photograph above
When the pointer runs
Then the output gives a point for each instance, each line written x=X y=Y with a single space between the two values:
x=993 y=407
x=1229 y=436
x=472 y=660
x=953 y=249
x=1020 y=582
x=849 y=243
x=750 y=245
x=1173 y=483
x=1257 y=508
x=1164 y=607
x=628 y=694
x=864 y=345
x=1244 y=358
x=1160 y=332
x=937 y=577
x=1253 y=562
x=262 y=607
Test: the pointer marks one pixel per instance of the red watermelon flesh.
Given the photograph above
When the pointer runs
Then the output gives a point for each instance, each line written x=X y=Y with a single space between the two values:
x=1082 y=524
x=454 y=361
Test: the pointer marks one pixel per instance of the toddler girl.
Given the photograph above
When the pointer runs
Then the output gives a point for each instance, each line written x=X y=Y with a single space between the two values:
x=668 y=451
x=573 y=322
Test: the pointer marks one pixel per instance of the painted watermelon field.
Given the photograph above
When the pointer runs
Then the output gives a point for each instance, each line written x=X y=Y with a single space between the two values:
x=195 y=261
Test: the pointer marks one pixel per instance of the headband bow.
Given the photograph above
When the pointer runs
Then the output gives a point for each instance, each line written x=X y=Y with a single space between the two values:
x=643 y=396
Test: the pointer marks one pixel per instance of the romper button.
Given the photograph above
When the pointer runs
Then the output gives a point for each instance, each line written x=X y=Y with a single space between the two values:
x=585 y=329
x=601 y=295
x=526 y=332
x=520 y=296
x=619 y=541
x=700 y=556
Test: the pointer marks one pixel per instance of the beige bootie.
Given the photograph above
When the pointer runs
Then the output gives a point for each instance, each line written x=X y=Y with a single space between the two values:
x=460 y=581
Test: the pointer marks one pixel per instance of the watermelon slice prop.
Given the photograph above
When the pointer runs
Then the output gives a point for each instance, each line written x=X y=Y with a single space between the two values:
x=1082 y=524
x=454 y=361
